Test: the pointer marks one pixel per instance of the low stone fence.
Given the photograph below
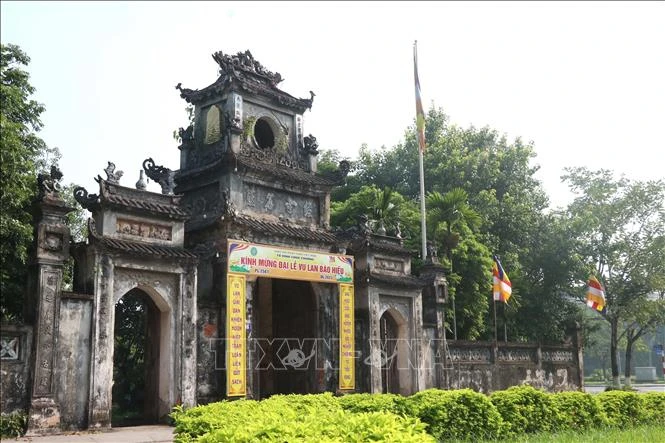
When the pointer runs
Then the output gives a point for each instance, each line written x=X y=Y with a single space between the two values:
x=488 y=367
x=15 y=360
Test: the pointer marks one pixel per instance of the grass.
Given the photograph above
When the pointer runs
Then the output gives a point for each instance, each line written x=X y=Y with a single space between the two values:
x=639 y=434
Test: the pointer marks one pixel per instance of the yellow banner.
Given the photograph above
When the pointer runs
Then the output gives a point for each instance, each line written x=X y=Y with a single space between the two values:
x=236 y=349
x=276 y=262
x=346 y=342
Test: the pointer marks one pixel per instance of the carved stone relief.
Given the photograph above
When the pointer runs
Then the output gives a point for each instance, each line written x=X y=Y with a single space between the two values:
x=384 y=264
x=269 y=204
x=213 y=130
x=557 y=356
x=52 y=242
x=45 y=352
x=251 y=197
x=295 y=207
x=206 y=200
x=481 y=355
x=290 y=206
x=167 y=285
x=516 y=355
x=307 y=209
x=10 y=348
x=143 y=229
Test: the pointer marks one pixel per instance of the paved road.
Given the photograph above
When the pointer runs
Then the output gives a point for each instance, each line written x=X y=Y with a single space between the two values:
x=132 y=434
x=640 y=388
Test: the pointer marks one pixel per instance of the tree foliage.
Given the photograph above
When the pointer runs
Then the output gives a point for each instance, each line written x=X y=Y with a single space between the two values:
x=22 y=153
x=484 y=200
x=620 y=227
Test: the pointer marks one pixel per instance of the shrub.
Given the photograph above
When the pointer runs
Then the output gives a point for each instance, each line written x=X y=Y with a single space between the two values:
x=577 y=411
x=13 y=424
x=623 y=408
x=654 y=407
x=373 y=403
x=293 y=418
x=459 y=414
x=524 y=409
x=337 y=426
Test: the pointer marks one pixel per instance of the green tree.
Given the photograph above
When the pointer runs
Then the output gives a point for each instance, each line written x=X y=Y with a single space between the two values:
x=21 y=152
x=498 y=177
x=620 y=225
x=453 y=224
x=383 y=207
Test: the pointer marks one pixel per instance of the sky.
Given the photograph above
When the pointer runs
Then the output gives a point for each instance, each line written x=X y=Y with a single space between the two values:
x=583 y=80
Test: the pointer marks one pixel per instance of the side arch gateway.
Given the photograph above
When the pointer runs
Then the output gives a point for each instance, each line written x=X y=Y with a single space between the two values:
x=135 y=242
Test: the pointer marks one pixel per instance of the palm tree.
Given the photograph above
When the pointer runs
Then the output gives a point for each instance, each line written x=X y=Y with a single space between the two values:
x=449 y=212
x=383 y=210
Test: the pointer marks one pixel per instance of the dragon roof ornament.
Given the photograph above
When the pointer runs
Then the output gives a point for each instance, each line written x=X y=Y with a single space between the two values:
x=244 y=61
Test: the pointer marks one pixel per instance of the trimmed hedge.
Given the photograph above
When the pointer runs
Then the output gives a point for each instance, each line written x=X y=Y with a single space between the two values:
x=461 y=414
x=623 y=408
x=654 y=407
x=426 y=416
x=293 y=418
x=374 y=403
x=578 y=411
x=525 y=410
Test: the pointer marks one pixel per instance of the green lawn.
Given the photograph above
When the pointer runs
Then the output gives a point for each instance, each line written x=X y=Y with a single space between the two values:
x=646 y=434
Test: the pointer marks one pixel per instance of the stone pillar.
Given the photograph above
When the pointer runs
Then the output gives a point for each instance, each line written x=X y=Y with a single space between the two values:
x=101 y=366
x=435 y=295
x=188 y=295
x=50 y=252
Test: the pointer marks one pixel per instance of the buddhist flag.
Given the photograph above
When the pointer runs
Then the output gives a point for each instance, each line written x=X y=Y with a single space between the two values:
x=501 y=283
x=595 y=295
x=420 y=114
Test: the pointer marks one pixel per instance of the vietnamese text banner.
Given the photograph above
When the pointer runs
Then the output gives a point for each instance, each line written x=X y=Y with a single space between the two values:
x=346 y=342
x=275 y=262
x=235 y=334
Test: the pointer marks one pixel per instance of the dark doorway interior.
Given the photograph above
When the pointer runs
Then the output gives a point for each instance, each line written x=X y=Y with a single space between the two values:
x=135 y=360
x=287 y=311
x=389 y=376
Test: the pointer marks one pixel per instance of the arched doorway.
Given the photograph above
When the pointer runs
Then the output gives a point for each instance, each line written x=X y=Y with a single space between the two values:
x=389 y=334
x=286 y=332
x=395 y=353
x=140 y=328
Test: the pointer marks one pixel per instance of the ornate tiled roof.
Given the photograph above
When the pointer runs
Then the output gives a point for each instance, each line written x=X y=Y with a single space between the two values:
x=286 y=230
x=145 y=205
x=292 y=174
x=242 y=72
x=137 y=248
x=408 y=281
x=374 y=242
x=145 y=249
x=144 y=201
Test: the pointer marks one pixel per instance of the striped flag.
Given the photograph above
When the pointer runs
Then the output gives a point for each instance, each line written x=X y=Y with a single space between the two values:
x=501 y=283
x=420 y=114
x=595 y=294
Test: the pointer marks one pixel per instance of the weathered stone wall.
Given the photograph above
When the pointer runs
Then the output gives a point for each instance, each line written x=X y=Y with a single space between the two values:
x=485 y=368
x=15 y=358
x=72 y=377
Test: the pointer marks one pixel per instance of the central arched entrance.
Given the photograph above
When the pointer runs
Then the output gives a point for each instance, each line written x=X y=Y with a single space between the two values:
x=140 y=331
x=286 y=333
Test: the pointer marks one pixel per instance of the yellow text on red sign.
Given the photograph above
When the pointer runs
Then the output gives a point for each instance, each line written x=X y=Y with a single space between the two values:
x=236 y=348
x=346 y=335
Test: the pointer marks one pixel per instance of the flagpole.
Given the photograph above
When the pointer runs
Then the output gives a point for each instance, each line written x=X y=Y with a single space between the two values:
x=423 y=224
x=495 y=334
x=505 y=328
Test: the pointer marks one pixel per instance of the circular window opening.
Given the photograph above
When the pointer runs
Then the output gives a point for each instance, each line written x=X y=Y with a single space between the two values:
x=263 y=134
